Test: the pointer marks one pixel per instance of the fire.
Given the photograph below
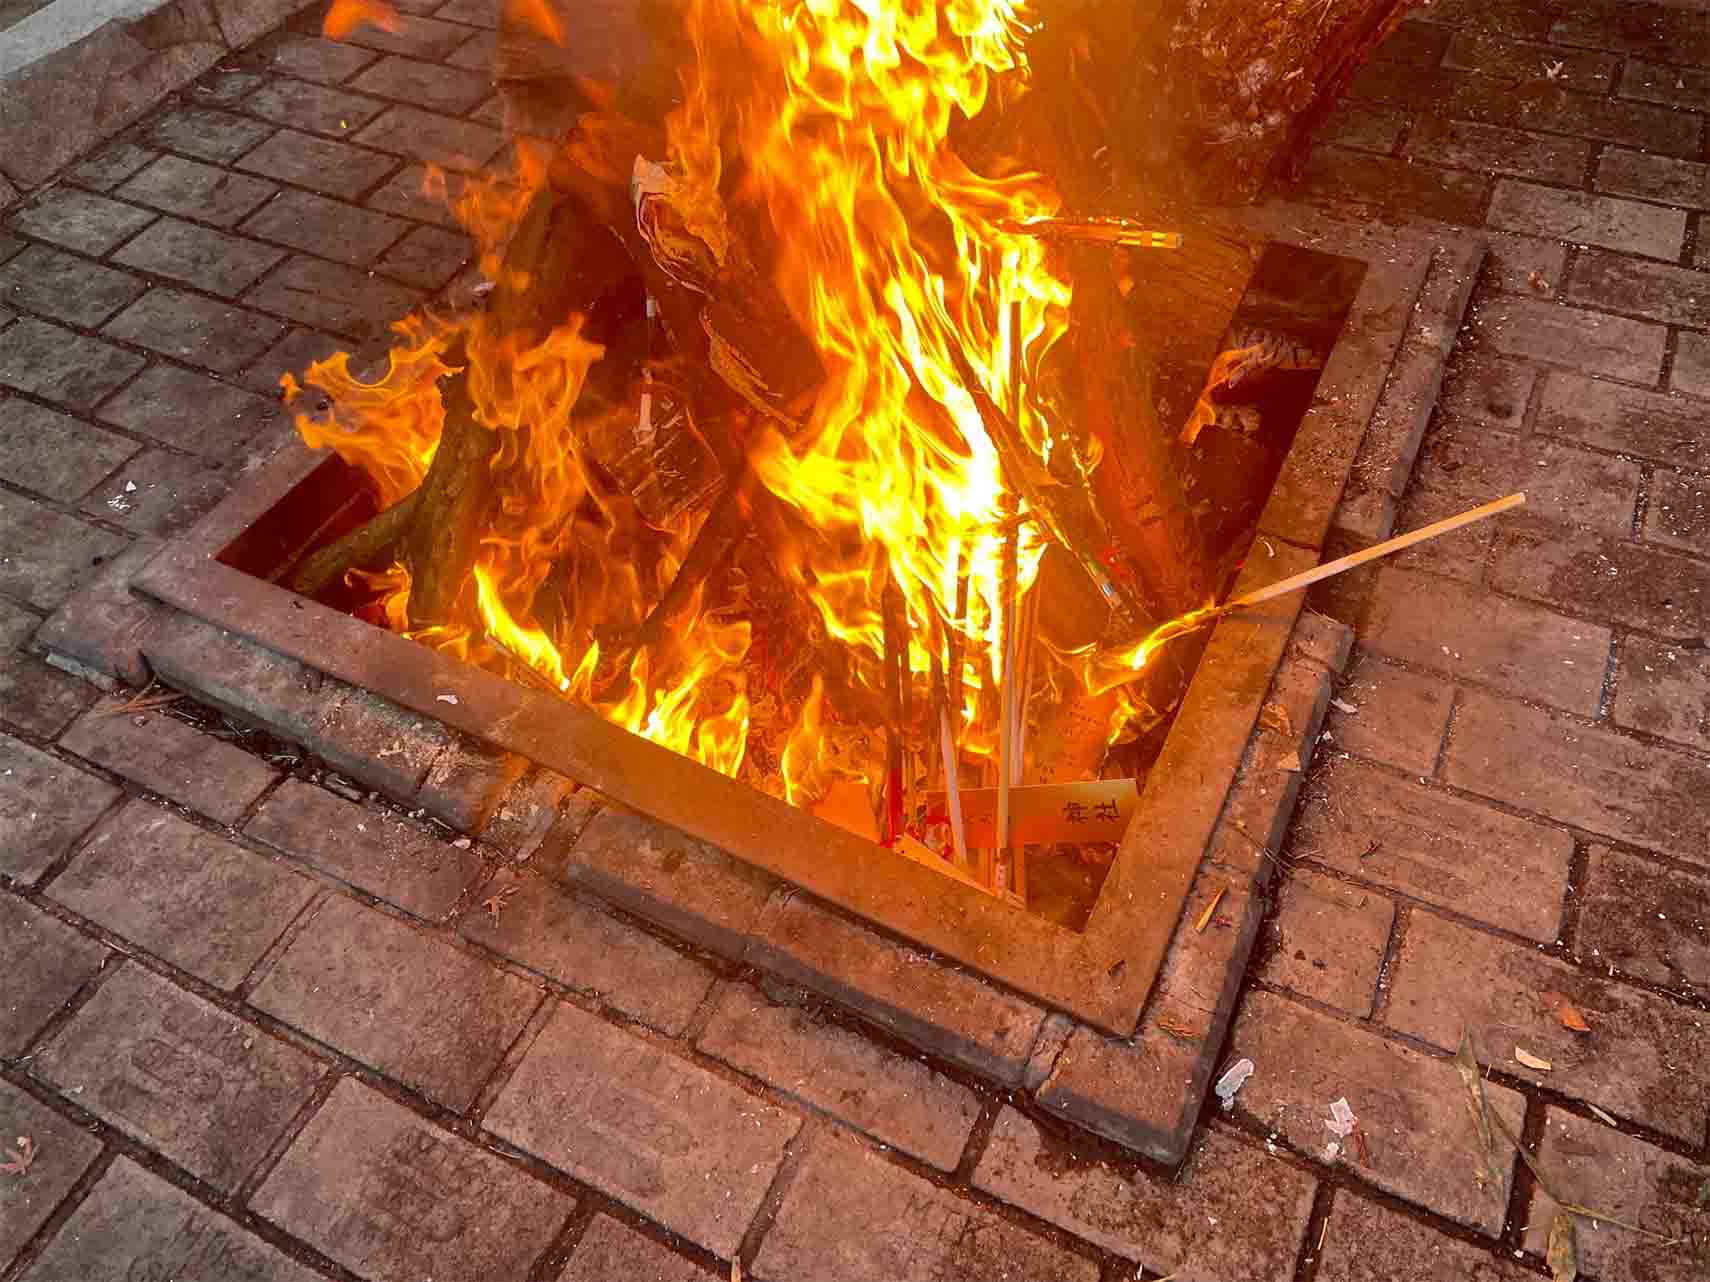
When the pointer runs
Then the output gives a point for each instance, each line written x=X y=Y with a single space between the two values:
x=829 y=122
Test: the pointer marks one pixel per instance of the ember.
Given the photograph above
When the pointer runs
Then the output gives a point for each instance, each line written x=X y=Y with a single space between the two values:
x=760 y=440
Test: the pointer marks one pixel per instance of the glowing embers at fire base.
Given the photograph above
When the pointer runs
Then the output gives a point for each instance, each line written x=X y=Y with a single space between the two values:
x=708 y=459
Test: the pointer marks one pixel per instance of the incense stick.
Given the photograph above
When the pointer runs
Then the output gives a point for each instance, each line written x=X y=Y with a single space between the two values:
x=1007 y=593
x=1389 y=547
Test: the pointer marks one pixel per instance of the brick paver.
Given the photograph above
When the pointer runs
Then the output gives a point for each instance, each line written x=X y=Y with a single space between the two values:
x=208 y=1091
x=644 y=1126
x=185 y=894
x=433 y=1017
x=1508 y=801
x=135 y=1225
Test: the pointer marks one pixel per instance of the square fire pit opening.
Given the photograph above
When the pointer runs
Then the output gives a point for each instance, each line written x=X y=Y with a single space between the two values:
x=1219 y=794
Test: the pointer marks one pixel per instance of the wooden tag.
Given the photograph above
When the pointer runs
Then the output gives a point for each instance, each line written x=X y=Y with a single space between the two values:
x=1040 y=814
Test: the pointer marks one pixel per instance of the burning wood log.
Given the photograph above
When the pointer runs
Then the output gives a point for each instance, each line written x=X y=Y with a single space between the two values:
x=1205 y=99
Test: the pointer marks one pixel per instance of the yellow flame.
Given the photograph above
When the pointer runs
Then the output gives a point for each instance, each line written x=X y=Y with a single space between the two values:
x=891 y=254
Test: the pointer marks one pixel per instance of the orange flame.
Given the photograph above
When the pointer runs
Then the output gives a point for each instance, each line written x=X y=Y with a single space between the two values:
x=891 y=254
x=346 y=16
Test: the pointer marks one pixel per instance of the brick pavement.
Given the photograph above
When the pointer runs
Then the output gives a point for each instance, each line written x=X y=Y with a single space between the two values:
x=260 y=1030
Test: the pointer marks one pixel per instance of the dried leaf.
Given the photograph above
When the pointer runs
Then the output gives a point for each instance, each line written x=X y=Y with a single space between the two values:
x=26 y=1154
x=1274 y=717
x=1344 y=707
x=1532 y=1061
x=1569 y=1017
x=1489 y=1170
x=1210 y=911
x=735 y=1270
x=1563 y=1257
x=1290 y=762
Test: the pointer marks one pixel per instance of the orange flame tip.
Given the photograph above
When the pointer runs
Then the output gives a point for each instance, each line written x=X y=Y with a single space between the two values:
x=346 y=16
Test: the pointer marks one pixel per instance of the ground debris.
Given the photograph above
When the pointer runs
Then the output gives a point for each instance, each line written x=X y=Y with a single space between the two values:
x=1230 y=1084
x=1532 y=1061
x=1563 y=1257
x=1566 y=1013
x=497 y=901
x=25 y=1150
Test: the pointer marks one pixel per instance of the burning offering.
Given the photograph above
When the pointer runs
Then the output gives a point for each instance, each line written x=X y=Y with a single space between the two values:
x=809 y=431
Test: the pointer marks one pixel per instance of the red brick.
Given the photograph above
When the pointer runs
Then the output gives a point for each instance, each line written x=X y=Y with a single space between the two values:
x=1398 y=718
x=171 y=492
x=81 y=221
x=1606 y=578
x=1667 y=429
x=1365 y=1242
x=217 y=136
x=327 y=61
x=54 y=454
x=1231 y=1212
x=1673 y=86
x=432 y=139
x=195 y=190
x=1655 y=291
x=693 y=889
x=1492 y=149
x=422 y=84
x=135 y=1225
x=44 y=962
x=1663 y=178
x=397 y=1199
x=332 y=168
x=1367 y=823
x=315 y=108
x=1545 y=106
x=209 y=260
x=368 y=846
x=1692 y=355
x=189 y=412
x=193 y=898
x=329 y=296
x=1644 y=919
x=1589 y=341
x=1671 y=31
x=413 y=35
x=65 y=287
x=1450 y=979
x=1626 y=225
x=609 y=1251
x=345 y=233
x=1327 y=941
x=1627 y=1179
x=1582 y=775
x=899 y=1102
x=935 y=1007
x=1678 y=514
x=406 y=1004
x=1506 y=59
x=1516 y=648
x=1412 y=1109
x=1663 y=688
x=1363 y=127
x=196 y=330
x=848 y=1213
x=44 y=555
x=549 y=930
x=656 y=1132
x=64 y=1152
x=1525 y=265
x=179 y=1074
x=427 y=258
x=1366 y=181
x=163 y=754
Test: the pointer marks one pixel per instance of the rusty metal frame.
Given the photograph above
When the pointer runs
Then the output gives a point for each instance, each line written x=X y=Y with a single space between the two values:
x=1103 y=974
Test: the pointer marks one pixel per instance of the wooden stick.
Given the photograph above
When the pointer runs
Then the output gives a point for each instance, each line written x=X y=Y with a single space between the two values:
x=1342 y=565
x=1007 y=628
x=947 y=747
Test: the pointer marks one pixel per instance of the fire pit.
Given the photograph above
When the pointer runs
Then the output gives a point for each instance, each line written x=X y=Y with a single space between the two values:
x=768 y=510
